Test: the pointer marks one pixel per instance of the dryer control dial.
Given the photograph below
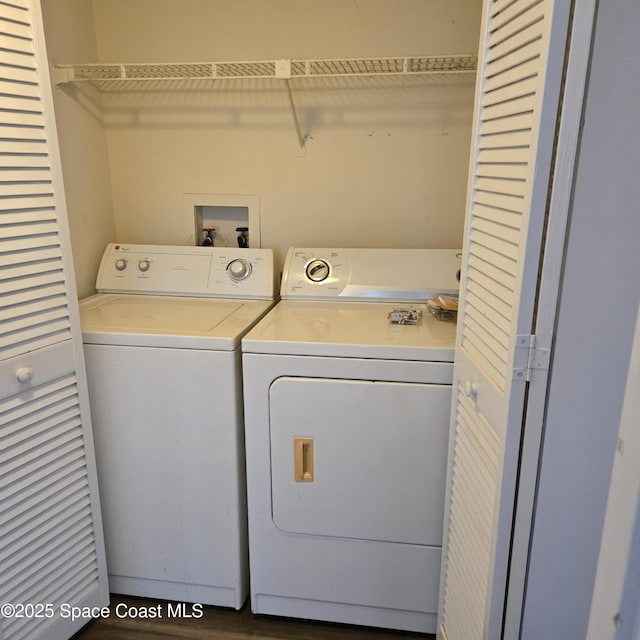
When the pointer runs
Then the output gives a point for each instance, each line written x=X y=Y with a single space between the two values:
x=144 y=264
x=239 y=269
x=318 y=270
x=121 y=264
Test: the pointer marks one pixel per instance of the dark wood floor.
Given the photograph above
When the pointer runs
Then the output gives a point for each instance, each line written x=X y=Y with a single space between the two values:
x=224 y=624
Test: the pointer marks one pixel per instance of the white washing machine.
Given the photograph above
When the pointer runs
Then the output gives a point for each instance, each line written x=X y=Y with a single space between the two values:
x=347 y=385
x=162 y=348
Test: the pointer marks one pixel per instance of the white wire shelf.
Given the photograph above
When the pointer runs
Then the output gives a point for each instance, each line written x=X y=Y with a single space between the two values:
x=106 y=76
x=282 y=68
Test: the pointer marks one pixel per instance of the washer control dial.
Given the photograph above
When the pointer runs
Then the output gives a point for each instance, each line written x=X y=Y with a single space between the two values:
x=317 y=270
x=144 y=265
x=239 y=269
x=121 y=264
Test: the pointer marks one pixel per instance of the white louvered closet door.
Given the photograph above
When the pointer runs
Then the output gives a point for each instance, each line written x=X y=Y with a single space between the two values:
x=517 y=95
x=51 y=548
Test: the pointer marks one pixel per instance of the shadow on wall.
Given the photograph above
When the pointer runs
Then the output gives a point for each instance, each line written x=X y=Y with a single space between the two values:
x=439 y=101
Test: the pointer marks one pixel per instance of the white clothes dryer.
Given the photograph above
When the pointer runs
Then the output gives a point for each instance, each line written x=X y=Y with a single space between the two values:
x=347 y=387
x=162 y=350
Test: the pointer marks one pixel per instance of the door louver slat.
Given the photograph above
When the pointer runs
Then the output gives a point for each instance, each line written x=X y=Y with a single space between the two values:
x=499 y=6
x=16 y=60
x=516 y=17
x=492 y=270
x=475 y=451
x=12 y=43
x=21 y=119
x=511 y=78
x=501 y=297
x=495 y=368
x=498 y=261
x=24 y=161
x=517 y=105
x=22 y=176
x=513 y=58
x=18 y=103
x=487 y=334
x=14 y=12
x=38 y=337
x=30 y=229
x=22 y=145
x=508 y=219
x=495 y=244
x=30 y=479
x=19 y=90
x=28 y=225
x=12 y=243
x=527 y=36
x=37 y=268
x=503 y=156
x=34 y=316
x=21 y=132
x=525 y=86
x=483 y=307
x=51 y=548
x=21 y=72
x=77 y=524
x=505 y=140
x=44 y=493
x=512 y=144
x=499 y=200
x=17 y=189
x=501 y=186
x=507 y=124
x=25 y=571
x=47 y=290
x=28 y=528
x=28 y=255
x=490 y=227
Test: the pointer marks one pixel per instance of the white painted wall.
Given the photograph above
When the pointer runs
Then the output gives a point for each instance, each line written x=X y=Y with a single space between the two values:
x=173 y=30
x=596 y=317
x=615 y=608
x=83 y=149
x=386 y=162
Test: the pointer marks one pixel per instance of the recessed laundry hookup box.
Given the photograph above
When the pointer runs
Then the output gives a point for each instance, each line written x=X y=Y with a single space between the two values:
x=221 y=220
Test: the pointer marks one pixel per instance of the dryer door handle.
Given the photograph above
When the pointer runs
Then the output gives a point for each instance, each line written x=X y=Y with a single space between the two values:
x=303 y=459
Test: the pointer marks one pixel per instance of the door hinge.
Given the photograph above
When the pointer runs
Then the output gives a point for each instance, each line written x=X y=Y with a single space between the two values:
x=529 y=356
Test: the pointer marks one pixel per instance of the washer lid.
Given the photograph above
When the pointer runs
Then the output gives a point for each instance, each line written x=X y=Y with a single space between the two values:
x=168 y=321
x=351 y=329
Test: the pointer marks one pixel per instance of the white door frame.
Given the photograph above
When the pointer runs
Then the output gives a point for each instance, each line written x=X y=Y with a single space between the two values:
x=570 y=124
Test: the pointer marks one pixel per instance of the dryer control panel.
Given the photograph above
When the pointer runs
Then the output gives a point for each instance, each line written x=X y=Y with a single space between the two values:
x=410 y=275
x=223 y=272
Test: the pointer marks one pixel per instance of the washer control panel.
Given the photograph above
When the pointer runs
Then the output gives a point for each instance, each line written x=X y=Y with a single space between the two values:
x=224 y=272
x=370 y=274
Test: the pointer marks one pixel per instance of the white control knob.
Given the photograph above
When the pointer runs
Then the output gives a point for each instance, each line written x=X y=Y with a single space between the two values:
x=317 y=270
x=144 y=265
x=239 y=269
x=24 y=374
x=121 y=264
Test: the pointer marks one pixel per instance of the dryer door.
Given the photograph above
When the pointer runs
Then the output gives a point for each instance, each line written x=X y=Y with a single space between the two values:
x=359 y=459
